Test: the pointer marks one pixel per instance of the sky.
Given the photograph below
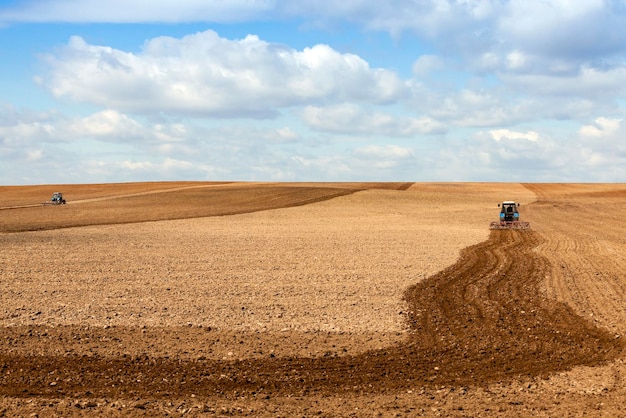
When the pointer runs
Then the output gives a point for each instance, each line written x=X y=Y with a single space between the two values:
x=278 y=90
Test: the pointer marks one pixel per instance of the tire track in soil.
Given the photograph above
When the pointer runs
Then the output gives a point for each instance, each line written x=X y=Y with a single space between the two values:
x=589 y=265
x=481 y=320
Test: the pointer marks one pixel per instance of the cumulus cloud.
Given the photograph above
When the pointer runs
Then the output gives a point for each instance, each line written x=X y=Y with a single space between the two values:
x=19 y=128
x=112 y=126
x=204 y=74
x=568 y=29
x=556 y=38
x=601 y=128
x=430 y=17
x=387 y=152
x=565 y=33
x=555 y=48
x=381 y=158
x=427 y=64
x=534 y=47
x=586 y=83
x=507 y=134
x=137 y=165
x=603 y=143
x=477 y=107
x=507 y=155
x=497 y=67
x=565 y=29
x=591 y=154
x=516 y=101
x=104 y=170
x=112 y=146
x=350 y=119
x=107 y=125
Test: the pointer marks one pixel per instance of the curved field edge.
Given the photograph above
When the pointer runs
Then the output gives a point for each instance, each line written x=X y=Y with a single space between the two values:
x=139 y=202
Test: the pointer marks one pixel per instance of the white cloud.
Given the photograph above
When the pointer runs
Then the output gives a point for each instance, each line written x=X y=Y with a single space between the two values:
x=431 y=17
x=566 y=28
x=601 y=128
x=586 y=83
x=171 y=163
x=516 y=60
x=351 y=119
x=204 y=74
x=111 y=146
x=555 y=38
x=544 y=30
x=137 y=165
x=507 y=134
x=509 y=156
x=523 y=99
x=487 y=68
x=387 y=152
x=385 y=161
x=285 y=134
x=366 y=163
x=574 y=50
x=19 y=132
x=107 y=123
x=427 y=64
x=138 y=169
x=478 y=108
x=252 y=153
x=560 y=28
x=34 y=155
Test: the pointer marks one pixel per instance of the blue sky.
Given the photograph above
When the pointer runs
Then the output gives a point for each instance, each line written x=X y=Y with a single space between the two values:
x=276 y=90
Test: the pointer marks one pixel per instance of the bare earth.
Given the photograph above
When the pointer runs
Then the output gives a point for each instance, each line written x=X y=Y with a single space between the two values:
x=347 y=299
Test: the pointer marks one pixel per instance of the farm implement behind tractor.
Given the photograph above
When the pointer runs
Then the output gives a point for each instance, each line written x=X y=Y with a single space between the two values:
x=56 y=199
x=509 y=217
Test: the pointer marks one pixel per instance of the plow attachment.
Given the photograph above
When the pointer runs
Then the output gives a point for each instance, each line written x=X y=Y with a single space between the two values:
x=509 y=225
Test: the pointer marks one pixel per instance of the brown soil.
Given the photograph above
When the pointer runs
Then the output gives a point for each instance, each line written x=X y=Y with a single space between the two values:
x=353 y=299
x=104 y=205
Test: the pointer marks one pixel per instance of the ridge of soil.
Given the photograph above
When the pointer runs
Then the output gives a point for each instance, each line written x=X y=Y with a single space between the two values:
x=128 y=203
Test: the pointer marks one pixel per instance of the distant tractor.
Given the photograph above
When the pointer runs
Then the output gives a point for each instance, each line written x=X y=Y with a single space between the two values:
x=509 y=217
x=56 y=199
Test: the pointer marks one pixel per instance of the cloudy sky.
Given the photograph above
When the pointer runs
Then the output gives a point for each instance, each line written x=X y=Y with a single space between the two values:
x=279 y=90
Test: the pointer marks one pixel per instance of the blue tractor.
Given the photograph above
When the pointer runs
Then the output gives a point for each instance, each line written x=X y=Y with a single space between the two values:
x=56 y=199
x=509 y=217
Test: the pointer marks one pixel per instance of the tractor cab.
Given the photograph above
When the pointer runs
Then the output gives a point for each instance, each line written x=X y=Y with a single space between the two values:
x=509 y=211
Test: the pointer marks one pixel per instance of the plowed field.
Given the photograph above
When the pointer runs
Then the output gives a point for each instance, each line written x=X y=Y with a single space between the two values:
x=360 y=299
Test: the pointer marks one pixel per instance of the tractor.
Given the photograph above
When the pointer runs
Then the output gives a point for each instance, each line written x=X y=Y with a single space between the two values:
x=56 y=199
x=509 y=217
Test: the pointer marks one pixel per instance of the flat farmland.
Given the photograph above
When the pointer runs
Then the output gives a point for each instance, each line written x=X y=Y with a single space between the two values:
x=281 y=299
